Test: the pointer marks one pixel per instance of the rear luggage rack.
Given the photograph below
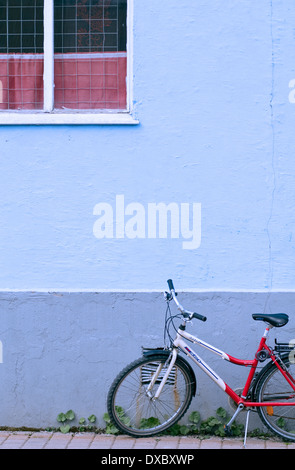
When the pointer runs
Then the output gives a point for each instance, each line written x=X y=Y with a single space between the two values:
x=283 y=347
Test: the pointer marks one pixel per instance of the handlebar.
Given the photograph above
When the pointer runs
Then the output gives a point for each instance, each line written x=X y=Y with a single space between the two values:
x=185 y=313
x=170 y=284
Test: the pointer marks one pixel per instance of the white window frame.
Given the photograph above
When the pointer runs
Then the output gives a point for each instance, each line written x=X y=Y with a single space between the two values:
x=49 y=115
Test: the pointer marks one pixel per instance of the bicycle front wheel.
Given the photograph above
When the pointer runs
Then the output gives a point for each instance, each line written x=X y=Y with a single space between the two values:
x=132 y=405
x=274 y=387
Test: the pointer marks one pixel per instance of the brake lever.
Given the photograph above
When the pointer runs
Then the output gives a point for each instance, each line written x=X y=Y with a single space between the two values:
x=167 y=296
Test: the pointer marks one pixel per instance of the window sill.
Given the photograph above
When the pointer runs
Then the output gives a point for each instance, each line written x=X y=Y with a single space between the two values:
x=65 y=118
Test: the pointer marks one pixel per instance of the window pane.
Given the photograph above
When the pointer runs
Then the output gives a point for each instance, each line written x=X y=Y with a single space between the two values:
x=21 y=54
x=90 y=54
x=89 y=47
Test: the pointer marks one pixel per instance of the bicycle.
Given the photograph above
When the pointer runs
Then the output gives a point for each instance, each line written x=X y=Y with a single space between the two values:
x=154 y=392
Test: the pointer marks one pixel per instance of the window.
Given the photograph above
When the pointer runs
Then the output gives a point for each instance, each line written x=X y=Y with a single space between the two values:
x=65 y=61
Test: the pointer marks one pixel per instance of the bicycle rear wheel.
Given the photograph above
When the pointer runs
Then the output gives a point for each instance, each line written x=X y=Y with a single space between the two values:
x=272 y=387
x=132 y=407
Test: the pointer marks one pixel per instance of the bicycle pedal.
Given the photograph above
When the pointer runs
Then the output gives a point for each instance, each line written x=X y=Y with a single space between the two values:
x=227 y=430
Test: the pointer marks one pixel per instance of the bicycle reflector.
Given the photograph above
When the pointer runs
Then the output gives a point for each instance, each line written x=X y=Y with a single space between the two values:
x=269 y=410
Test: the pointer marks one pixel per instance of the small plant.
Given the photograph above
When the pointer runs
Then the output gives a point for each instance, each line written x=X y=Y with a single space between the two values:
x=84 y=426
x=65 y=427
x=178 y=430
x=194 y=418
x=149 y=422
x=110 y=428
x=182 y=429
x=63 y=418
x=214 y=425
x=92 y=419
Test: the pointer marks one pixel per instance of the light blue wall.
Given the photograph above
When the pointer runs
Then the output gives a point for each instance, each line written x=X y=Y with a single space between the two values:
x=216 y=127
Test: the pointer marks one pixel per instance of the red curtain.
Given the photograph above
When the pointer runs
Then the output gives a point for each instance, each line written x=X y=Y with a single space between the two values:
x=21 y=81
x=82 y=81
x=90 y=81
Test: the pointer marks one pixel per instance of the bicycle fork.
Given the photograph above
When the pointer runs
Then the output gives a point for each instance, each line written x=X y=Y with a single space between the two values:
x=172 y=359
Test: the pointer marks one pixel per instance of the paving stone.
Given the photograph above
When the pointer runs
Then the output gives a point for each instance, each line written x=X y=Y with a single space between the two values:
x=253 y=443
x=167 y=442
x=102 y=441
x=81 y=441
x=211 y=443
x=275 y=445
x=3 y=436
x=58 y=441
x=232 y=444
x=37 y=441
x=15 y=441
x=123 y=442
x=145 y=443
x=290 y=445
x=189 y=443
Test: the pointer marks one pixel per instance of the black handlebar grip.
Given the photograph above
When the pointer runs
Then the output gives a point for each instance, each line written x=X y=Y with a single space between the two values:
x=199 y=317
x=170 y=284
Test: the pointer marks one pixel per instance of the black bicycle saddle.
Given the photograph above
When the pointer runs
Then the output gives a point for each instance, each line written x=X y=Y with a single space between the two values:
x=274 y=319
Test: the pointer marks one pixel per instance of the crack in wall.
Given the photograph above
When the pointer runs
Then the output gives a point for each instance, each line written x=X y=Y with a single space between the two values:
x=271 y=105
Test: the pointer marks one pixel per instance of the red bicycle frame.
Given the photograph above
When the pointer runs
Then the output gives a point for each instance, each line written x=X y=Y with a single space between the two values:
x=240 y=400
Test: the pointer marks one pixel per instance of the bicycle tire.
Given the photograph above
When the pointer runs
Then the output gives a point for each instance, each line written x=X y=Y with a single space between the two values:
x=132 y=411
x=273 y=386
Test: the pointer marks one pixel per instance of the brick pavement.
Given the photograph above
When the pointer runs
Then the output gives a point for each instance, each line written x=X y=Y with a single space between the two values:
x=57 y=440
